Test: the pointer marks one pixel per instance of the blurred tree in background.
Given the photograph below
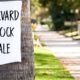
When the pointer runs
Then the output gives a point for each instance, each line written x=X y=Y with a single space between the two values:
x=35 y=7
x=60 y=10
x=38 y=12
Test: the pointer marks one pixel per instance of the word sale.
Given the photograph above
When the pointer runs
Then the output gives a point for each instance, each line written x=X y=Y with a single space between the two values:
x=4 y=48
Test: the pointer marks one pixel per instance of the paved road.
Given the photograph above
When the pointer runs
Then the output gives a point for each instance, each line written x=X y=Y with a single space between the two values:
x=66 y=49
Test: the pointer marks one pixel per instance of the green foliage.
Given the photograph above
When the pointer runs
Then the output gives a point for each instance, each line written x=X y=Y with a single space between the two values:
x=57 y=16
x=43 y=2
x=48 y=67
x=61 y=10
x=35 y=37
x=35 y=7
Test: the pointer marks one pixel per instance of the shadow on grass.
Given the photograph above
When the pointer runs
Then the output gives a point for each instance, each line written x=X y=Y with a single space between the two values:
x=47 y=67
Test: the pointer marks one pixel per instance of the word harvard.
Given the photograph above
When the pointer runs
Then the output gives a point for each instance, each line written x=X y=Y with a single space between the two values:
x=9 y=15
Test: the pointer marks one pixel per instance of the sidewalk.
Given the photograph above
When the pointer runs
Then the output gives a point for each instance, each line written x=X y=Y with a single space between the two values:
x=65 y=49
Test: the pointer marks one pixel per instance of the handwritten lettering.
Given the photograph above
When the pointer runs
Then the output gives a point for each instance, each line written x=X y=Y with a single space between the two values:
x=9 y=15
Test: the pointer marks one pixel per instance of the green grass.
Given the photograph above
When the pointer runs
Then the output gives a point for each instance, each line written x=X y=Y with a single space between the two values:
x=47 y=67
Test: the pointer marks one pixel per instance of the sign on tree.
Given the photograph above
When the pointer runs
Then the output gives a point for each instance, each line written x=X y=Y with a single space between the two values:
x=10 y=31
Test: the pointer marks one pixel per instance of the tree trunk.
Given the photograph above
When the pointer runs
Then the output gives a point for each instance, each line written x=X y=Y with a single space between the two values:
x=25 y=69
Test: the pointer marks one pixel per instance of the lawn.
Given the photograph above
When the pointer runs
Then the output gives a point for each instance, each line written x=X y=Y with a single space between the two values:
x=48 y=67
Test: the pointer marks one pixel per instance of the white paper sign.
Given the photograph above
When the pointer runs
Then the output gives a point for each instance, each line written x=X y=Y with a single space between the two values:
x=10 y=31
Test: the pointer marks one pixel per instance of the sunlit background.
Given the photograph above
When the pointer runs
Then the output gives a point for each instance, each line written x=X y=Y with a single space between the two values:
x=56 y=37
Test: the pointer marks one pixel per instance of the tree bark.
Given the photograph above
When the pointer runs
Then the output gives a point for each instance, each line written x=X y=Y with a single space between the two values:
x=25 y=69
